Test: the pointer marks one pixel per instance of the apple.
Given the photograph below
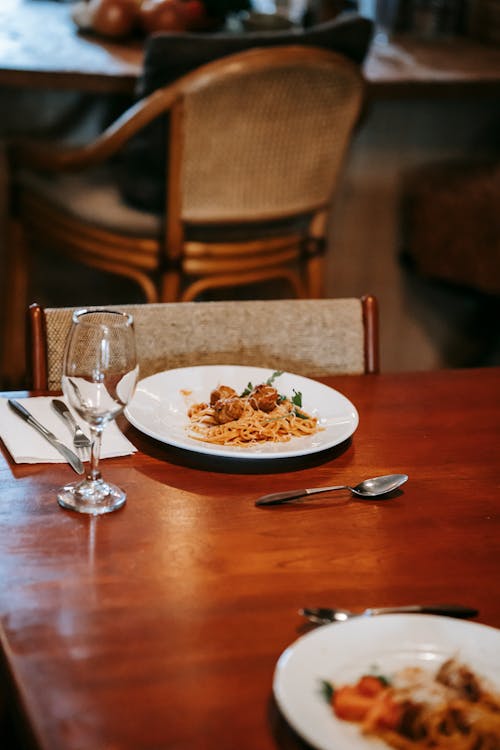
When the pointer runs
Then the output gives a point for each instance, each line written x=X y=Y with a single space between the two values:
x=195 y=14
x=163 y=15
x=113 y=18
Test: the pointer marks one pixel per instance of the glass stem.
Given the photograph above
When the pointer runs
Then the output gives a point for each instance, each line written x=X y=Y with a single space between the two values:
x=95 y=452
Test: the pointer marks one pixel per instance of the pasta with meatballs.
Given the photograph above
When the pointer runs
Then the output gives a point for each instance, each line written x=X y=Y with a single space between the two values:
x=452 y=709
x=259 y=414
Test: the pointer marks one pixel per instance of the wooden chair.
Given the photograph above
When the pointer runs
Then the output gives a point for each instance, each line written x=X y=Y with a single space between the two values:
x=308 y=337
x=256 y=144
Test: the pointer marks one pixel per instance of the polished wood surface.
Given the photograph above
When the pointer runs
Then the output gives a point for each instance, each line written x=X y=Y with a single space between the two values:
x=159 y=626
x=440 y=67
x=41 y=47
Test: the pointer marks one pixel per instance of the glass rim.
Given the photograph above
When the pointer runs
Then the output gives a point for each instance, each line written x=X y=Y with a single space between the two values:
x=78 y=315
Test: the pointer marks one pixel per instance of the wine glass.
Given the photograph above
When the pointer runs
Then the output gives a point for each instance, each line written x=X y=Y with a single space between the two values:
x=99 y=377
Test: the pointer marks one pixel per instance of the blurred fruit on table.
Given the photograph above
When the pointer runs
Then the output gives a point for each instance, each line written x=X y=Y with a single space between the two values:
x=172 y=15
x=113 y=18
x=123 y=18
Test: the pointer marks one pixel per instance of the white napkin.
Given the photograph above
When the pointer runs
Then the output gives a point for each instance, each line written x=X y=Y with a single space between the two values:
x=27 y=446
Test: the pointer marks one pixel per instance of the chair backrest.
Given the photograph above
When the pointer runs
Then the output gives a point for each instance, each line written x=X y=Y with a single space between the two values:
x=262 y=134
x=169 y=56
x=308 y=337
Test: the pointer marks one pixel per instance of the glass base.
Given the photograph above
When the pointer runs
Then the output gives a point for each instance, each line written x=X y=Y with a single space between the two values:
x=93 y=497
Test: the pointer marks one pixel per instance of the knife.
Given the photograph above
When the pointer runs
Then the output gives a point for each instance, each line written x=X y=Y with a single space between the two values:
x=70 y=457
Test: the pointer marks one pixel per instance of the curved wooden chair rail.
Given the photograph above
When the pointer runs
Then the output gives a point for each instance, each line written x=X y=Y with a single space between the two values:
x=309 y=337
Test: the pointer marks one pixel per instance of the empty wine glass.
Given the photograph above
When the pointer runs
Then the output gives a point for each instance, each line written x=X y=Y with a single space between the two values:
x=99 y=377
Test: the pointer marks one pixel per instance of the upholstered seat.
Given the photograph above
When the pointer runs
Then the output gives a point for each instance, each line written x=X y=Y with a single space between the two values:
x=93 y=198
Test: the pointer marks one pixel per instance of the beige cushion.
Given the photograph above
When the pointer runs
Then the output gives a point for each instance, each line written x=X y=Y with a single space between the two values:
x=93 y=197
x=308 y=337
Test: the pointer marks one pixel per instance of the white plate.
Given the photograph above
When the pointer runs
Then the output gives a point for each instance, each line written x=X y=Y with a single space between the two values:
x=341 y=653
x=159 y=409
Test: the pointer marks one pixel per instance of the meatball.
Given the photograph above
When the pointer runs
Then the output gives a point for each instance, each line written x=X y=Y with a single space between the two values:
x=460 y=678
x=223 y=391
x=228 y=409
x=264 y=397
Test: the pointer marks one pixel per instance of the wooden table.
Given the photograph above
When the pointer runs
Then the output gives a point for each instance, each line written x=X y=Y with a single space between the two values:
x=41 y=47
x=159 y=626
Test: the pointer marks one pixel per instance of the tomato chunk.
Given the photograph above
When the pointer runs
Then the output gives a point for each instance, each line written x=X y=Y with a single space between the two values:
x=385 y=713
x=349 y=704
x=370 y=685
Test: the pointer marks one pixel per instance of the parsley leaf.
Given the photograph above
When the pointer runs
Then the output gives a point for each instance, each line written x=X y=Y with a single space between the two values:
x=273 y=377
x=375 y=672
x=247 y=390
x=299 y=414
x=327 y=690
x=383 y=679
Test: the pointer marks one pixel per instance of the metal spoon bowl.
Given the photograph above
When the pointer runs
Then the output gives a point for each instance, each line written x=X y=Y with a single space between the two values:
x=369 y=488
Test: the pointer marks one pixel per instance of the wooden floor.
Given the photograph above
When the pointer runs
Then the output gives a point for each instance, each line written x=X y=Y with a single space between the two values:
x=424 y=324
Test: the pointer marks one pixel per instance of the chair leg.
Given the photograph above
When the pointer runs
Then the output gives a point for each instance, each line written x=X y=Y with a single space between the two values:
x=13 y=354
x=314 y=250
x=170 y=286
x=315 y=272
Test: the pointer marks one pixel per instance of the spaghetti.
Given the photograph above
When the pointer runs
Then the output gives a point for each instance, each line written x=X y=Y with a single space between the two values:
x=415 y=710
x=258 y=415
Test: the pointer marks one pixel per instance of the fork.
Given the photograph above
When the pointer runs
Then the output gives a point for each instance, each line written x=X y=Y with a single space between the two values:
x=80 y=440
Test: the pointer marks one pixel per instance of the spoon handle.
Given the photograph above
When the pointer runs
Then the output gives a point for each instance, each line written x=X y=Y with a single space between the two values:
x=277 y=498
x=448 y=610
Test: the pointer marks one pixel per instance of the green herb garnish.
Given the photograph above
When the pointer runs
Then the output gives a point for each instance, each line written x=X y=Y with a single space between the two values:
x=327 y=690
x=296 y=399
x=375 y=672
x=247 y=390
x=269 y=381
x=273 y=377
x=299 y=414
x=384 y=680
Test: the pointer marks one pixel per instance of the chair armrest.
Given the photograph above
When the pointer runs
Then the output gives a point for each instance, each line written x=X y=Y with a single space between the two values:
x=56 y=157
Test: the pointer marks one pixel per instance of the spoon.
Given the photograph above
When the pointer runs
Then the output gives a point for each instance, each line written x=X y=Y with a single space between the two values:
x=369 y=488
x=324 y=615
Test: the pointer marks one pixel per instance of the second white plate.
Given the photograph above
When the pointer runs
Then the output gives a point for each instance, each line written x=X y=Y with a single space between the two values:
x=341 y=653
x=160 y=404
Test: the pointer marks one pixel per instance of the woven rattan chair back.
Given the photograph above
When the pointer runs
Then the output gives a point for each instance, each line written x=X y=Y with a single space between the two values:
x=265 y=136
x=309 y=337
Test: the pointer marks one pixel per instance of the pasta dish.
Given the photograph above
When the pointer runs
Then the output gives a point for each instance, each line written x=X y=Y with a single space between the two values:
x=258 y=414
x=417 y=710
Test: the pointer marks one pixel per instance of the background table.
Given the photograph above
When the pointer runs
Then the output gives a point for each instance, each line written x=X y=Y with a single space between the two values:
x=159 y=626
x=40 y=46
